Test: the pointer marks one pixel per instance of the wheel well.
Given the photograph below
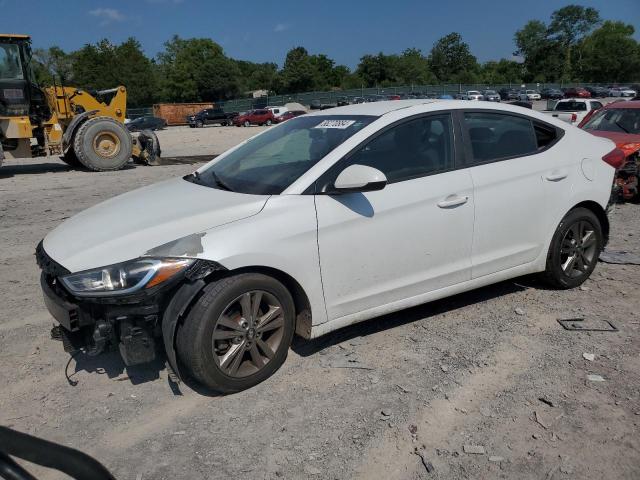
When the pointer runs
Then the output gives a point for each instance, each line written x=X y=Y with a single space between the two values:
x=300 y=298
x=598 y=212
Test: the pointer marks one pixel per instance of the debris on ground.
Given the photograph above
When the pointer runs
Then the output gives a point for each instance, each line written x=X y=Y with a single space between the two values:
x=620 y=257
x=474 y=449
x=519 y=311
x=425 y=461
x=591 y=325
x=538 y=418
x=547 y=401
x=592 y=377
x=589 y=356
x=496 y=458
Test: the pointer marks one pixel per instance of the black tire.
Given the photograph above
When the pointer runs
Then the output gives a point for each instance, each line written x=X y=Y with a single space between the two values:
x=71 y=159
x=191 y=125
x=268 y=123
x=195 y=344
x=555 y=274
x=199 y=124
x=91 y=131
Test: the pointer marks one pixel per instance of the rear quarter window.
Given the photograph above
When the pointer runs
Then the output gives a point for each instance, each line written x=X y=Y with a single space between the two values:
x=495 y=136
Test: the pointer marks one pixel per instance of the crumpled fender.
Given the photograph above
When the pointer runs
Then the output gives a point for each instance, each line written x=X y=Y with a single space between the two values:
x=73 y=125
x=174 y=312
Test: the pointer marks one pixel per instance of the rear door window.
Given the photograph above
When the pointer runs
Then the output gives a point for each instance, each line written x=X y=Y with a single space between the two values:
x=497 y=136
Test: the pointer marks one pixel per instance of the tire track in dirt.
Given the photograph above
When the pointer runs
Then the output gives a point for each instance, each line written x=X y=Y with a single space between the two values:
x=441 y=417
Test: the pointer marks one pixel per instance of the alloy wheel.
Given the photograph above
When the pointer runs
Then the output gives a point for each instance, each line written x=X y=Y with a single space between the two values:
x=248 y=333
x=578 y=251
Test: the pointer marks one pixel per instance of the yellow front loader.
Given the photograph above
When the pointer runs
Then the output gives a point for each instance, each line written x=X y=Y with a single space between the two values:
x=85 y=129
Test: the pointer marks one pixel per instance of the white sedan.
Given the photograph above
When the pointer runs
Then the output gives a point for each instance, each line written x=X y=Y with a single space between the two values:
x=622 y=92
x=529 y=95
x=326 y=220
x=472 y=95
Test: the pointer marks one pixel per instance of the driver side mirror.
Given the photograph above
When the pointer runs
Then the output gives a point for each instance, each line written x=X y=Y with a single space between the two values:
x=359 y=178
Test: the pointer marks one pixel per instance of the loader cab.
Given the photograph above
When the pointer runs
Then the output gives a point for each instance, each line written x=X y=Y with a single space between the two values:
x=19 y=93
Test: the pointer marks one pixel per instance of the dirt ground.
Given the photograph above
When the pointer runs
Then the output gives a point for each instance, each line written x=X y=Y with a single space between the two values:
x=411 y=395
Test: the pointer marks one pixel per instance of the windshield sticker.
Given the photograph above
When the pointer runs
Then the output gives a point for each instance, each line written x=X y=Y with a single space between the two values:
x=341 y=124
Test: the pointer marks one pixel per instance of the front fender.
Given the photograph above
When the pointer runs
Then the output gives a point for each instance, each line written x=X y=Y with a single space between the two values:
x=73 y=126
x=175 y=311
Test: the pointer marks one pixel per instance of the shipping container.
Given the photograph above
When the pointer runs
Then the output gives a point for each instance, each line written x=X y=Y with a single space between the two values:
x=176 y=113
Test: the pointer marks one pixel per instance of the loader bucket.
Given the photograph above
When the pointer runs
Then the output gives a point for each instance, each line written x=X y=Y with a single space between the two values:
x=146 y=148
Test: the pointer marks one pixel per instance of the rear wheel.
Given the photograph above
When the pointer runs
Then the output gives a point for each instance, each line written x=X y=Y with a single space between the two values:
x=238 y=333
x=102 y=144
x=574 y=250
x=268 y=123
x=247 y=123
x=199 y=124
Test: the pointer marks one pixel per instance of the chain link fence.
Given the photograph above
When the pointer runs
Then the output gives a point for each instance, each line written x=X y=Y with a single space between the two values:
x=332 y=97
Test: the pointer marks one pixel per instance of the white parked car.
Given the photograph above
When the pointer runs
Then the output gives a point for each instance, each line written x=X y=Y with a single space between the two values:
x=529 y=95
x=278 y=111
x=574 y=110
x=622 y=92
x=323 y=221
x=472 y=95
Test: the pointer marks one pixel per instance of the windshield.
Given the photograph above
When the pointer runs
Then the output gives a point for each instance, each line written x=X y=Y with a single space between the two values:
x=269 y=163
x=571 y=106
x=623 y=120
x=490 y=92
x=10 y=65
x=473 y=92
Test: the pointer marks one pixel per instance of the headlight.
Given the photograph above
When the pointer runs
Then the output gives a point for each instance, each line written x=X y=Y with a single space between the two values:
x=124 y=278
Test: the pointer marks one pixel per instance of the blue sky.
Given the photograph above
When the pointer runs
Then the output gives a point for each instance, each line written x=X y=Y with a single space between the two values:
x=265 y=30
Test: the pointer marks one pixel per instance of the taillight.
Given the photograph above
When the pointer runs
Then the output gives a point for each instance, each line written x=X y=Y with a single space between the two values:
x=574 y=117
x=615 y=158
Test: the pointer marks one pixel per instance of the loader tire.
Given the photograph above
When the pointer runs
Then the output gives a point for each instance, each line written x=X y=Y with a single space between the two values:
x=71 y=159
x=102 y=144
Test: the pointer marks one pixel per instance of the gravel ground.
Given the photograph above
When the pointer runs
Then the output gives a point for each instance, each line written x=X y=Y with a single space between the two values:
x=490 y=371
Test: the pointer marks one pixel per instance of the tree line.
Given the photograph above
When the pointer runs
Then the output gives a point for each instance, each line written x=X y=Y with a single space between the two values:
x=574 y=46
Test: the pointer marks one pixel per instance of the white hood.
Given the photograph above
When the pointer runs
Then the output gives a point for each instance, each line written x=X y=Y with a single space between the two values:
x=127 y=226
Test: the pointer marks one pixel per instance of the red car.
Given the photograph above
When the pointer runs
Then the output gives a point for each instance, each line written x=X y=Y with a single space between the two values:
x=289 y=115
x=620 y=122
x=576 y=92
x=254 y=117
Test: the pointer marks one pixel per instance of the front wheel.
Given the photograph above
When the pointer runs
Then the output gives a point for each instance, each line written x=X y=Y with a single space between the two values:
x=102 y=144
x=238 y=333
x=574 y=250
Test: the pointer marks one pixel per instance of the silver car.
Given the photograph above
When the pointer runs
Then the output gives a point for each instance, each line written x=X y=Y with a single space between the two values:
x=472 y=95
x=491 y=96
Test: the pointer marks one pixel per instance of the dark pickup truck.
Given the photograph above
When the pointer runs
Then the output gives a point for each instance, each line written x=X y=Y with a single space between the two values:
x=211 y=116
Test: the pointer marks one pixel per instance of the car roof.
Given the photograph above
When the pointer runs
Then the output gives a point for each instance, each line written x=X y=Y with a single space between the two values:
x=374 y=108
x=623 y=104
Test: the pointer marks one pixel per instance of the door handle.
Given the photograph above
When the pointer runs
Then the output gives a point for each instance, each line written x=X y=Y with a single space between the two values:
x=452 y=201
x=556 y=175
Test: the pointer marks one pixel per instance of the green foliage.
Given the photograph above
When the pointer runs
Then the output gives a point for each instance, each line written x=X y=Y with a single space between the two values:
x=196 y=70
x=452 y=61
x=549 y=50
x=609 y=54
x=504 y=71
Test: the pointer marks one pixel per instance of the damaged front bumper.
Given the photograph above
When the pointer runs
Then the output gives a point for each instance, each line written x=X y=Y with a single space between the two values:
x=132 y=324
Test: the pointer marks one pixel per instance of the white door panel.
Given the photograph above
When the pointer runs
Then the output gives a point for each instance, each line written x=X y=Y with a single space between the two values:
x=515 y=201
x=412 y=237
